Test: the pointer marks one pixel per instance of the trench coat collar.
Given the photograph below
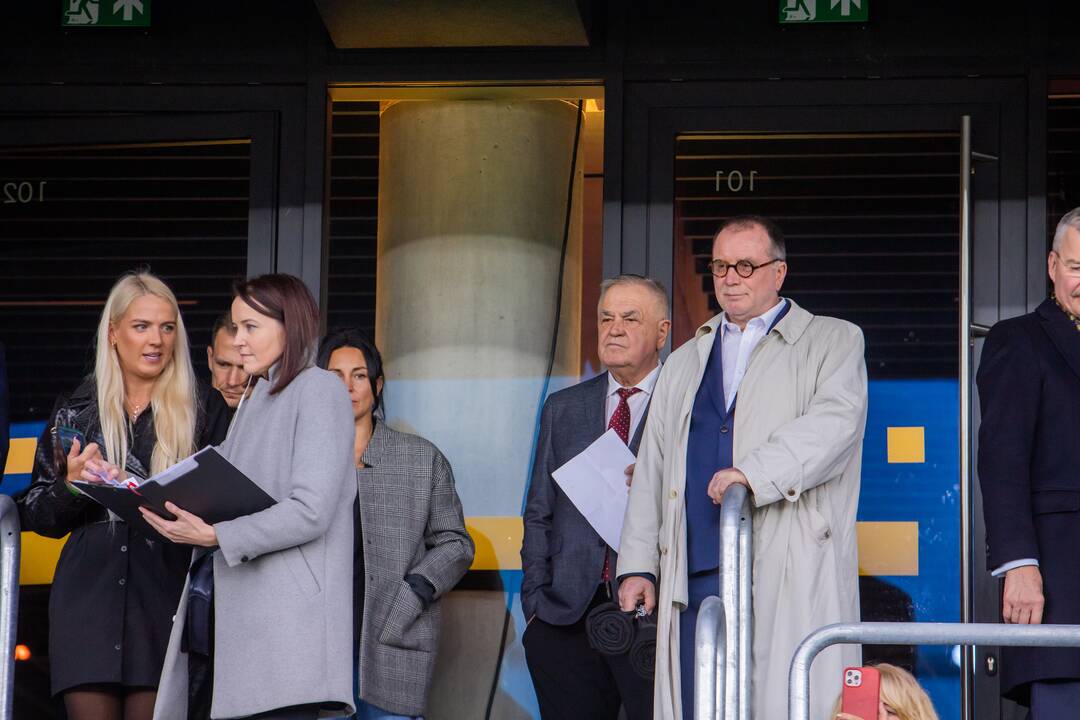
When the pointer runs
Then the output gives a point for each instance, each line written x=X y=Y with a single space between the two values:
x=1061 y=331
x=791 y=327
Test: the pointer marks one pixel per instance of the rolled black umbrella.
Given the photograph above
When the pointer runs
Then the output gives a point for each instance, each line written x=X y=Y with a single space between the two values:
x=609 y=629
x=643 y=649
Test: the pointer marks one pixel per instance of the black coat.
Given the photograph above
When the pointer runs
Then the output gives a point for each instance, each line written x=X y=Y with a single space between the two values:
x=1029 y=470
x=115 y=590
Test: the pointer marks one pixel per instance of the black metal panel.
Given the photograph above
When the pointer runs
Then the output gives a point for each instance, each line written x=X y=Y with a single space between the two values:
x=354 y=210
x=180 y=209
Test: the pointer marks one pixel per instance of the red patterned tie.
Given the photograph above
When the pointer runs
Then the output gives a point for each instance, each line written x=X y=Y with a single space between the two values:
x=620 y=422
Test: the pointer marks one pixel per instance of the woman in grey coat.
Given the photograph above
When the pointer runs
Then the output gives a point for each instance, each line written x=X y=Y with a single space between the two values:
x=276 y=639
x=411 y=544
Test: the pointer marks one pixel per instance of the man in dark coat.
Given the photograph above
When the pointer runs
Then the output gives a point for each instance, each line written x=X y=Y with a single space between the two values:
x=568 y=569
x=1029 y=388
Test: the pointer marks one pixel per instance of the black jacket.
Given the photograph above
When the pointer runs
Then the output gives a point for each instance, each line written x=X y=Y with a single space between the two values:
x=1029 y=390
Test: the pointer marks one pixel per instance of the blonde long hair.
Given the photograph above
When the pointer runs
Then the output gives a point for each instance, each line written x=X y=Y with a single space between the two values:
x=173 y=394
x=902 y=692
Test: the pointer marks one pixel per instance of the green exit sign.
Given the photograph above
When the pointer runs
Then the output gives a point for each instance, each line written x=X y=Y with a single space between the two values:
x=801 y=12
x=106 y=13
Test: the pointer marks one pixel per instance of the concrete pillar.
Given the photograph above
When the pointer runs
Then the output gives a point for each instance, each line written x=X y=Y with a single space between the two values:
x=472 y=208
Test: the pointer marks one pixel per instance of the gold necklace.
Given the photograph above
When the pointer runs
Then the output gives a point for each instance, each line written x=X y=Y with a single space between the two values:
x=1075 y=320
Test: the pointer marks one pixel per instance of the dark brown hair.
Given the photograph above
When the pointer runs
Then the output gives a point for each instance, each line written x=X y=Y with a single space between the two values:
x=286 y=299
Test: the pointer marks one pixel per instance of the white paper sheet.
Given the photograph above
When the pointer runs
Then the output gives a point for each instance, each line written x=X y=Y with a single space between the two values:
x=595 y=481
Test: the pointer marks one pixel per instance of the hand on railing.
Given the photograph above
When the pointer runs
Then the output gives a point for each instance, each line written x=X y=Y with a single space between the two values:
x=722 y=480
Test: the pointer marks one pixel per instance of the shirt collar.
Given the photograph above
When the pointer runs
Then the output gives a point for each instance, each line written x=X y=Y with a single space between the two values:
x=646 y=385
x=764 y=320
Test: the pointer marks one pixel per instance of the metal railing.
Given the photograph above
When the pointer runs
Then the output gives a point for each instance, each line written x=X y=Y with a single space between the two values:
x=727 y=628
x=9 y=600
x=899 y=633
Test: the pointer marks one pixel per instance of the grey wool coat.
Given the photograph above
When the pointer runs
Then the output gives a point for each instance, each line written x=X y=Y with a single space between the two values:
x=412 y=524
x=282 y=577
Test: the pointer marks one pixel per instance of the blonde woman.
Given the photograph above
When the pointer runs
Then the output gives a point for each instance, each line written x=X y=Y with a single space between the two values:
x=901 y=697
x=115 y=590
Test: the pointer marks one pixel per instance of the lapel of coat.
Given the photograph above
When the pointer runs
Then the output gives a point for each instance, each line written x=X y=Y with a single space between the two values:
x=635 y=442
x=1062 y=333
x=706 y=335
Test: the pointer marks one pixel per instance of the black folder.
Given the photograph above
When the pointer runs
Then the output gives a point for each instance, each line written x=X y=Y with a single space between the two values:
x=205 y=484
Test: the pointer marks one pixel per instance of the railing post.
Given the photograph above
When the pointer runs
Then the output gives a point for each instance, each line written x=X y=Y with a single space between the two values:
x=708 y=670
x=9 y=600
x=735 y=591
x=896 y=633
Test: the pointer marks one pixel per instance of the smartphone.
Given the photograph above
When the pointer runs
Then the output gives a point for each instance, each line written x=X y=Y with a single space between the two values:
x=67 y=436
x=862 y=686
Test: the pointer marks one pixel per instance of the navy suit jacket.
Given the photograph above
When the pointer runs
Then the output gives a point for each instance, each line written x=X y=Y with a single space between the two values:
x=562 y=557
x=1029 y=471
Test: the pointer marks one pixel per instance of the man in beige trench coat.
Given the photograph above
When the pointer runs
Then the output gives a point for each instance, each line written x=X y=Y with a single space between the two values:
x=796 y=443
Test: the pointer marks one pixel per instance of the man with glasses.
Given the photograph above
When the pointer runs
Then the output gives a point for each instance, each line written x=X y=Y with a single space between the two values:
x=1029 y=390
x=772 y=397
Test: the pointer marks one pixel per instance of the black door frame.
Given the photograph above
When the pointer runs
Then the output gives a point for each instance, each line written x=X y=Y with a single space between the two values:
x=1008 y=249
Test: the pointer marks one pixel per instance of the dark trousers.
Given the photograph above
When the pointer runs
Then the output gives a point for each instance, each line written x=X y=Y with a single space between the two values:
x=699 y=587
x=574 y=682
x=1054 y=700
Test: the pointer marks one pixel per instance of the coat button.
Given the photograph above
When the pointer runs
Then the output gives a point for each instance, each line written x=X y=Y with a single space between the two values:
x=723 y=430
x=243 y=558
x=828 y=534
x=674 y=494
x=791 y=493
x=116 y=647
x=122 y=581
x=123 y=548
x=663 y=551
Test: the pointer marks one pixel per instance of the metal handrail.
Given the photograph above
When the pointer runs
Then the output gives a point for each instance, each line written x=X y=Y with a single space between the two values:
x=899 y=633
x=732 y=634
x=9 y=600
x=708 y=648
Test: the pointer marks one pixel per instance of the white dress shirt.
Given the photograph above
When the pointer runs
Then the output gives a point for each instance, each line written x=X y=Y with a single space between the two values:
x=739 y=344
x=637 y=402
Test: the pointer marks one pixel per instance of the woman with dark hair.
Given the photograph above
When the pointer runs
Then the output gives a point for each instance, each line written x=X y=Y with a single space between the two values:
x=411 y=545
x=264 y=624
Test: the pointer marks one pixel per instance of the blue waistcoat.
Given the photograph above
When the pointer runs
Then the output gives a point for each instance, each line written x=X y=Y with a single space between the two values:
x=709 y=449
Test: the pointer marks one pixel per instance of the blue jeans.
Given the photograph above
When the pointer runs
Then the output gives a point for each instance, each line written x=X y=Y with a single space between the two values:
x=367 y=711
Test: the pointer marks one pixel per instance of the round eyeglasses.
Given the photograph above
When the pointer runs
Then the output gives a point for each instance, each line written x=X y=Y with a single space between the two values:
x=743 y=268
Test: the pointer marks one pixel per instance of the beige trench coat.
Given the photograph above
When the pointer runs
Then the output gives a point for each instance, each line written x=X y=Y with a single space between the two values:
x=798 y=439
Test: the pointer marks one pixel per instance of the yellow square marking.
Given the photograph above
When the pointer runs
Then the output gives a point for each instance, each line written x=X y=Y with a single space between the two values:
x=907 y=444
x=498 y=541
x=888 y=548
x=20 y=457
x=38 y=560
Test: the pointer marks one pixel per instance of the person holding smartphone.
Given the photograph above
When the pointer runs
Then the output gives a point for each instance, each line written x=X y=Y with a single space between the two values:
x=264 y=627
x=896 y=695
x=110 y=608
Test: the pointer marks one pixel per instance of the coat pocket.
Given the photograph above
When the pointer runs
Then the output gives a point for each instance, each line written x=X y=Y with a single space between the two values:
x=818 y=525
x=1055 y=501
x=301 y=571
x=408 y=625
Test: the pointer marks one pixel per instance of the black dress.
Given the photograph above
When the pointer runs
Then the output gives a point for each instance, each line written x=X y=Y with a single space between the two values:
x=115 y=590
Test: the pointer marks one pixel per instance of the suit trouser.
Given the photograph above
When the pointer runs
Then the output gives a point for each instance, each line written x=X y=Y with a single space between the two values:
x=1054 y=699
x=574 y=682
x=699 y=586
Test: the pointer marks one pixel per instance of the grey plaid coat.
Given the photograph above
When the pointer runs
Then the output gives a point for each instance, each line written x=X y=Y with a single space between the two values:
x=412 y=524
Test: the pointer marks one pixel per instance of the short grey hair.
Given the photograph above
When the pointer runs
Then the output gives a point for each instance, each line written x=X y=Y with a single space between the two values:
x=653 y=286
x=1070 y=219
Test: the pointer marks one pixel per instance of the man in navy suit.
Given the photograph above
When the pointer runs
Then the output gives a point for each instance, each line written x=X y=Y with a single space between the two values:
x=568 y=569
x=1029 y=388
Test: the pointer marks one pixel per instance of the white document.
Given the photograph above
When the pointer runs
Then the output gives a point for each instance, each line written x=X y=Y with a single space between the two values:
x=595 y=481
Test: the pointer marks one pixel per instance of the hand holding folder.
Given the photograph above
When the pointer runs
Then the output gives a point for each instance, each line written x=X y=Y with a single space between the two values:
x=205 y=484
